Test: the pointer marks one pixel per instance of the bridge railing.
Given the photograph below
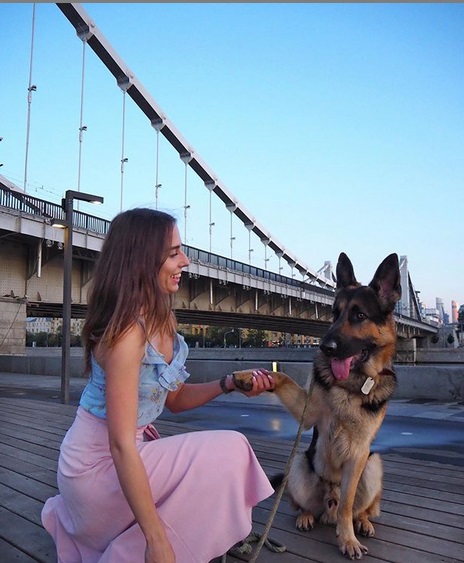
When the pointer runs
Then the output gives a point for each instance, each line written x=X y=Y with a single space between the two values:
x=210 y=259
x=24 y=203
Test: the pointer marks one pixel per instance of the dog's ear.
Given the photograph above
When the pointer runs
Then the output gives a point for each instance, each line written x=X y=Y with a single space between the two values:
x=345 y=272
x=387 y=282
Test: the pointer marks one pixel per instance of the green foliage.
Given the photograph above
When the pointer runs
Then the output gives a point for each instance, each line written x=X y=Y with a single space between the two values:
x=255 y=339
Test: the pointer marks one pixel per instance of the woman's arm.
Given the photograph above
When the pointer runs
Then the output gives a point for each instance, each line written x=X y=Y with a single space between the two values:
x=191 y=395
x=122 y=366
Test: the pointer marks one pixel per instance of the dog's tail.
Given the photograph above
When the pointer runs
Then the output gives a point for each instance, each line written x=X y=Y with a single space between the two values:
x=276 y=480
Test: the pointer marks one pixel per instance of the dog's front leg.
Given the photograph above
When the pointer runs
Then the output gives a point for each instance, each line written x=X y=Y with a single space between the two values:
x=292 y=396
x=296 y=399
x=347 y=541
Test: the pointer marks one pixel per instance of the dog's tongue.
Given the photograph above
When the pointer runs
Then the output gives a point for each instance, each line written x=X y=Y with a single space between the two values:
x=341 y=368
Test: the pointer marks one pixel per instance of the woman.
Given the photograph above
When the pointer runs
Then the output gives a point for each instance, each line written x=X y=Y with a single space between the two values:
x=126 y=498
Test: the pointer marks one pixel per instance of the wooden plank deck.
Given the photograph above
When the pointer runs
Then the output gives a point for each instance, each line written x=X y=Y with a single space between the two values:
x=422 y=510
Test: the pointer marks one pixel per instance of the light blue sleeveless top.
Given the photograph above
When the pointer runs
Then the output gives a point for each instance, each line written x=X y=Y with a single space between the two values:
x=156 y=379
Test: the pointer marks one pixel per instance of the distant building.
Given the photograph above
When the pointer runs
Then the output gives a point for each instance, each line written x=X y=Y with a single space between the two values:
x=52 y=325
x=454 y=311
x=432 y=316
x=444 y=317
x=35 y=325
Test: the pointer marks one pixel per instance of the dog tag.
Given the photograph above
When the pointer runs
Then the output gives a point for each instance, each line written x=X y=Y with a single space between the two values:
x=368 y=384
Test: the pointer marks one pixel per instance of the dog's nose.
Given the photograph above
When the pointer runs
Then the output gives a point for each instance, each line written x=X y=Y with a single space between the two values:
x=329 y=347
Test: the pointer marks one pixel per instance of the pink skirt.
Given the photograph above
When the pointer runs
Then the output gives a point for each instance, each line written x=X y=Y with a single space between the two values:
x=204 y=485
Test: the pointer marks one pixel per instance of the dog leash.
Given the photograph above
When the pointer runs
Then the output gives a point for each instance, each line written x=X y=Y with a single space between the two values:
x=245 y=548
x=264 y=535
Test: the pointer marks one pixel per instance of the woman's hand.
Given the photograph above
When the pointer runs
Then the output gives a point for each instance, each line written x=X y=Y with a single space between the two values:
x=159 y=552
x=262 y=381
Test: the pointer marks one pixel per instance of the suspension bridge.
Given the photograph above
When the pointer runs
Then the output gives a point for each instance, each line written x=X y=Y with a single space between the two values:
x=219 y=288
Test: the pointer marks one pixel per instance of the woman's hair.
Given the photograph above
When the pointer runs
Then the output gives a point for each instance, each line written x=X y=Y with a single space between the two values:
x=125 y=283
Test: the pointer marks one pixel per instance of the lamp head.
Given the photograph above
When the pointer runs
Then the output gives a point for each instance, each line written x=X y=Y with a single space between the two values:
x=82 y=196
x=59 y=224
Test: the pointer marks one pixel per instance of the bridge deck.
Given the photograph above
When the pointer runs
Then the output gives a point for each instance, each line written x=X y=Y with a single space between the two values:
x=422 y=511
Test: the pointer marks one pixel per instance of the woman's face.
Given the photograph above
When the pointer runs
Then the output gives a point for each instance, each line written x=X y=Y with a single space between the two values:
x=170 y=271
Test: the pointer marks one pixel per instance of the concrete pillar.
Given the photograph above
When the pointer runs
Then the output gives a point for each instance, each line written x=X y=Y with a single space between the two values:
x=406 y=350
x=12 y=326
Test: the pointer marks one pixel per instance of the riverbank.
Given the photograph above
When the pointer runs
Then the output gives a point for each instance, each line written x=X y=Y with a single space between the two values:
x=442 y=380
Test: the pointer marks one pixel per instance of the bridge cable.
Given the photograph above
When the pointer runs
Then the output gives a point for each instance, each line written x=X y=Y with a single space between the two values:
x=157 y=184
x=31 y=88
x=232 y=238
x=123 y=158
x=157 y=124
x=82 y=127
x=186 y=157
x=231 y=207
x=250 y=250
x=211 y=222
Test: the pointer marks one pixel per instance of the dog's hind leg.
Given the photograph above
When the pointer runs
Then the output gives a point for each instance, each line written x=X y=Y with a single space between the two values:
x=305 y=521
x=362 y=524
x=331 y=502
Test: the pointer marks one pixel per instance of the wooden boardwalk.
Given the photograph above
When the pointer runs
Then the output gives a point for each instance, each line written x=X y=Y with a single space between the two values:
x=422 y=509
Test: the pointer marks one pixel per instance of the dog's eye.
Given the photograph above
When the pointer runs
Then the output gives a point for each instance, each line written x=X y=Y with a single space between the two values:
x=360 y=316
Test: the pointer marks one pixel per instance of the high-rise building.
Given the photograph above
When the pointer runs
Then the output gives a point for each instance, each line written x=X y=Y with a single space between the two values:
x=441 y=309
x=454 y=311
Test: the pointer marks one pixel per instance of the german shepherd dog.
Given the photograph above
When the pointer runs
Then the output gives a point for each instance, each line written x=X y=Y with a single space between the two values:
x=337 y=480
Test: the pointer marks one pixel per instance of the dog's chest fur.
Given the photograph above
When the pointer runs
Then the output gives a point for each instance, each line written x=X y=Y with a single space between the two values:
x=347 y=419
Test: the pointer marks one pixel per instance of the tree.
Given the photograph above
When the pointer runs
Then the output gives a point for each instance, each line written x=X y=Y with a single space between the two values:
x=255 y=339
x=216 y=336
x=41 y=339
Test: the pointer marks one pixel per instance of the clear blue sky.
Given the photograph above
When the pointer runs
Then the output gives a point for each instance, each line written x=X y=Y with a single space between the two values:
x=340 y=127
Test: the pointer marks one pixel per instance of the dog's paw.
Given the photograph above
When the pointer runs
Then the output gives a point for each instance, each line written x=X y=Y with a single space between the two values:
x=351 y=548
x=243 y=380
x=328 y=518
x=364 y=527
x=305 y=521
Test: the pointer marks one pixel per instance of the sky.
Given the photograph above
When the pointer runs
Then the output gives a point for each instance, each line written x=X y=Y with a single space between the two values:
x=338 y=126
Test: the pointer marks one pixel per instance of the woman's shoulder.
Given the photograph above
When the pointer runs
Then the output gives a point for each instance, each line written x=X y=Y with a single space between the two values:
x=130 y=344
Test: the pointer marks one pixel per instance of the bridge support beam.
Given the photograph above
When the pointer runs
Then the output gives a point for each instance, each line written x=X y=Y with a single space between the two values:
x=406 y=350
x=12 y=326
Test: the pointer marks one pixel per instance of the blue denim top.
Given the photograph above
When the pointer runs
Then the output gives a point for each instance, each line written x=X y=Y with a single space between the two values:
x=156 y=378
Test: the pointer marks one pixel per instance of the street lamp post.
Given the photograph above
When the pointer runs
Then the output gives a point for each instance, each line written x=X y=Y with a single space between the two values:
x=67 y=204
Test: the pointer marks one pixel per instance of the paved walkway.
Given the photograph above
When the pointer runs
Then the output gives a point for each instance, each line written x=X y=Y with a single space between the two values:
x=47 y=387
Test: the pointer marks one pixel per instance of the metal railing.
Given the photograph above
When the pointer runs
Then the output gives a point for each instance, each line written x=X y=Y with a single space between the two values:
x=29 y=205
